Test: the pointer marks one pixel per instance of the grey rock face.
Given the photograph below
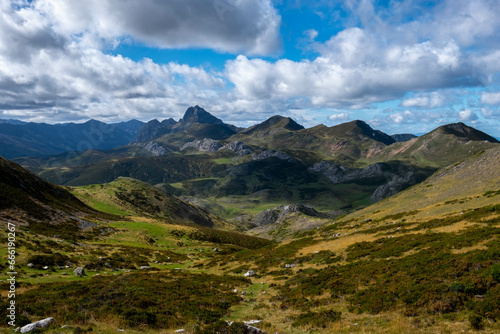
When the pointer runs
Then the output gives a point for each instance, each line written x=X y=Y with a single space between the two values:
x=271 y=216
x=266 y=217
x=79 y=271
x=333 y=172
x=391 y=179
x=155 y=148
x=37 y=325
x=205 y=145
x=237 y=147
x=398 y=183
x=250 y=273
x=271 y=153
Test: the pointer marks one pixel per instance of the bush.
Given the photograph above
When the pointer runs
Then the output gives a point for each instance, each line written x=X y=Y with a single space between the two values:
x=476 y=321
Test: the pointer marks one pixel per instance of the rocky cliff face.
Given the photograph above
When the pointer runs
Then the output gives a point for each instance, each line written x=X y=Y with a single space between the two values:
x=278 y=214
x=391 y=178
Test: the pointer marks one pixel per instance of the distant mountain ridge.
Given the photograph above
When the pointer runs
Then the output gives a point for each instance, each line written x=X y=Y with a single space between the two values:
x=36 y=139
x=401 y=137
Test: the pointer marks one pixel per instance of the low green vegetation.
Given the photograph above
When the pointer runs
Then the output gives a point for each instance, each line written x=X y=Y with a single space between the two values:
x=137 y=300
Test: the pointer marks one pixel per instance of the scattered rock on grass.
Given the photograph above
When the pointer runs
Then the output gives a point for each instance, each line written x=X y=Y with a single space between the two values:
x=79 y=272
x=37 y=324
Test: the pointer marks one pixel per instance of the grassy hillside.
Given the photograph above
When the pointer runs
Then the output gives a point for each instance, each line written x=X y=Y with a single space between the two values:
x=423 y=261
x=130 y=197
x=445 y=145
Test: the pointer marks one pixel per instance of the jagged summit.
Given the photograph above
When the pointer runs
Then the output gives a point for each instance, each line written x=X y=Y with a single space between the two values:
x=150 y=130
x=169 y=122
x=464 y=131
x=197 y=114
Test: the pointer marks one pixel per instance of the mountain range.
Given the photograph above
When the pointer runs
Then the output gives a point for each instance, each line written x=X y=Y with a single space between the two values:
x=199 y=226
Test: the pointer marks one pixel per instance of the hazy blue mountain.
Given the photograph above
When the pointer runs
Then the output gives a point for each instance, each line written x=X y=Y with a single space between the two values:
x=37 y=139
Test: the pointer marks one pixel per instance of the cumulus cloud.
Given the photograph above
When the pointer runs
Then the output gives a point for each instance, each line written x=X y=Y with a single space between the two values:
x=491 y=113
x=467 y=115
x=432 y=100
x=492 y=98
x=48 y=75
x=55 y=60
x=344 y=77
x=339 y=117
x=248 y=26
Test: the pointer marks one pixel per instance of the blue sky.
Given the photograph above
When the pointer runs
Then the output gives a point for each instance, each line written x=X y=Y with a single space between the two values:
x=402 y=66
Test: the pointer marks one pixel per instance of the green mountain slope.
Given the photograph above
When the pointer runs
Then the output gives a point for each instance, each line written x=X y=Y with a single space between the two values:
x=132 y=197
x=423 y=261
x=443 y=146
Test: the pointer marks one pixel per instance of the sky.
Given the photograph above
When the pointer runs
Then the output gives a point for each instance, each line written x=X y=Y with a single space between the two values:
x=402 y=66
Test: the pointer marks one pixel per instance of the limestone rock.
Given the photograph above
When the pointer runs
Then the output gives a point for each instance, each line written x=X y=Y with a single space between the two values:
x=79 y=271
x=205 y=145
x=237 y=147
x=273 y=154
x=38 y=324
x=155 y=148
x=250 y=273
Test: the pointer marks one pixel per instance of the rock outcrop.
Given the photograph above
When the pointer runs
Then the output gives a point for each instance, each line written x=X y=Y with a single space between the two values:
x=205 y=145
x=79 y=272
x=37 y=325
x=390 y=178
x=278 y=214
x=237 y=147
x=155 y=148
x=273 y=154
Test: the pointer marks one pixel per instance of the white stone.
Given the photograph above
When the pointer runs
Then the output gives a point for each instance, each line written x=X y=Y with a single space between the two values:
x=38 y=324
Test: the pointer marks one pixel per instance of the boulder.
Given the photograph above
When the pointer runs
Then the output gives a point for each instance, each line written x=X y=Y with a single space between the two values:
x=79 y=271
x=250 y=273
x=37 y=325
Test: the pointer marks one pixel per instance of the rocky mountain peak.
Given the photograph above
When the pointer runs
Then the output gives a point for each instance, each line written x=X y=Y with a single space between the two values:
x=197 y=114
x=464 y=131
x=149 y=131
x=275 y=122
x=169 y=123
x=365 y=129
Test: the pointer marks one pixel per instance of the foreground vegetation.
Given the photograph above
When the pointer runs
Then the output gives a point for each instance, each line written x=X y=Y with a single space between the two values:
x=419 y=262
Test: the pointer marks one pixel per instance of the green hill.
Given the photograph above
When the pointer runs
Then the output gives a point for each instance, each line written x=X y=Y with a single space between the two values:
x=441 y=147
x=132 y=197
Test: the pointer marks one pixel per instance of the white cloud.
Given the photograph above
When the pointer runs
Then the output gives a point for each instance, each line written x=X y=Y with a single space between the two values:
x=432 y=100
x=350 y=78
x=492 y=98
x=226 y=25
x=54 y=63
x=467 y=115
x=311 y=34
x=339 y=117
x=491 y=113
